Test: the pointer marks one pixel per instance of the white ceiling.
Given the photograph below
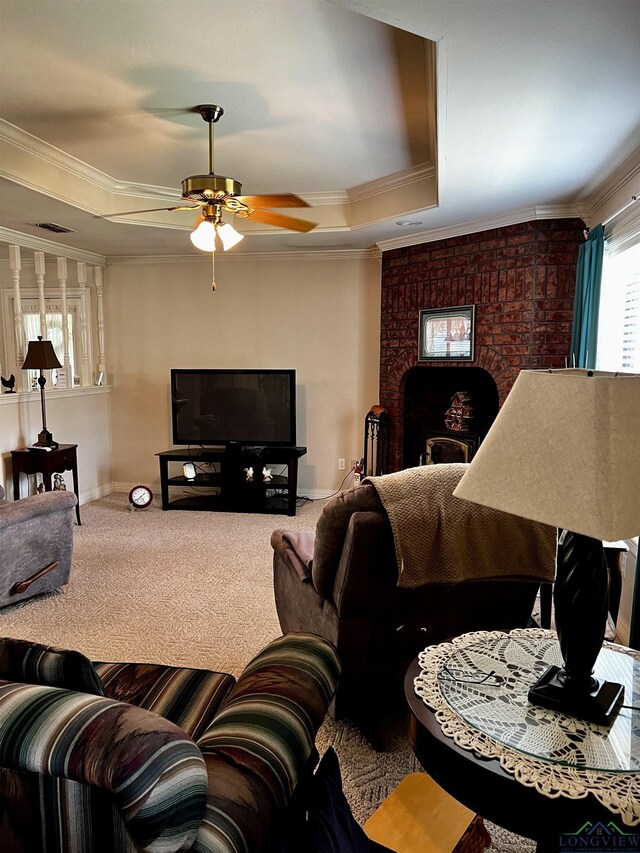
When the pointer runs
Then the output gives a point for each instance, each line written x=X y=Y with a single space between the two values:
x=537 y=104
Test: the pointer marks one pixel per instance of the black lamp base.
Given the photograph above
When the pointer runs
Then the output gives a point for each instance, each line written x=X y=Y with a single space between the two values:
x=45 y=439
x=598 y=705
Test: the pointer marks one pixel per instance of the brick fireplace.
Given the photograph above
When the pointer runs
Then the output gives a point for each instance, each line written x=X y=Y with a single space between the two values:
x=521 y=278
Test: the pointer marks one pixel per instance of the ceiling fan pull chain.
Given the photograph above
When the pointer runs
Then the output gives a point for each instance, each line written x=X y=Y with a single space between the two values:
x=213 y=270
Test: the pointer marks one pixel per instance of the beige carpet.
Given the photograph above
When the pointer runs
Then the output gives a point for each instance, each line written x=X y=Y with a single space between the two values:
x=195 y=589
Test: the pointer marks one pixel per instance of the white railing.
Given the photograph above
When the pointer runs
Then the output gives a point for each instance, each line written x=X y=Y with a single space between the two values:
x=51 y=281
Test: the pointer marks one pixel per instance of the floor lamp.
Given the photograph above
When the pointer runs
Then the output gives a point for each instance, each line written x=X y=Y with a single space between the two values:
x=565 y=451
x=41 y=356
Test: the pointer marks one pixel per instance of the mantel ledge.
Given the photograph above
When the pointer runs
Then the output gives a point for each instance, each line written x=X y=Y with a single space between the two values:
x=25 y=397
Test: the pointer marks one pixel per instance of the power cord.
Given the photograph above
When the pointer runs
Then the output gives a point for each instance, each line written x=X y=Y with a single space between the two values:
x=202 y=450
x=337 y=491
x=194 y=487
x=199 y=467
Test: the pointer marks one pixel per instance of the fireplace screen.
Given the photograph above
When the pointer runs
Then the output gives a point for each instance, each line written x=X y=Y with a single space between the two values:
x=443 y=449
x=376 y=442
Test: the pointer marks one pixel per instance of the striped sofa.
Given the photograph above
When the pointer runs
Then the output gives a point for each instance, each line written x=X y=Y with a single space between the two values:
x=124 y=757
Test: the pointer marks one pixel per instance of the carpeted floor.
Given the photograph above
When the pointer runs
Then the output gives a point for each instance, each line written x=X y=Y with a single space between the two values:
x=195 y=588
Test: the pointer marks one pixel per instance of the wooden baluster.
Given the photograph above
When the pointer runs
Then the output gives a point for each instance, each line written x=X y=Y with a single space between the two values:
x=84 y=338
x=99 y=293
x=18 y=320
x=62 y=279
x=38 y=258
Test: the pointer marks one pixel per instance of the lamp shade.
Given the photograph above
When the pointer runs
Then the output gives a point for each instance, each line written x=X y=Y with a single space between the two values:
x=204 y=237
x=565 y=451
x=40 y=356
x=229 y=236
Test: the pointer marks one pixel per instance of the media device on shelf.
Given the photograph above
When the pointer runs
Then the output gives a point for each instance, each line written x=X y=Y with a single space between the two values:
x=234 y=408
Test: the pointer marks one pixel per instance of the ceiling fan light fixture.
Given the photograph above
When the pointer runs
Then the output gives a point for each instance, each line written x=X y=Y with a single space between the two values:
x=229 y=236
x=204 y=237
x=211 y=194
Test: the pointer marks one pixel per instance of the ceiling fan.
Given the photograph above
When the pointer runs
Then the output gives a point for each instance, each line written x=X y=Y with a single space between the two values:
x=210 y=194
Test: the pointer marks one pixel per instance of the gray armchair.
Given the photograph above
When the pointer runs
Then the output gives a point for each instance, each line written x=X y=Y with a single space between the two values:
x=36 y=544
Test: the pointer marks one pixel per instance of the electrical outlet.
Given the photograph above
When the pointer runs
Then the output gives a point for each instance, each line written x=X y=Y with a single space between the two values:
x=342 y=464
x=354 y=462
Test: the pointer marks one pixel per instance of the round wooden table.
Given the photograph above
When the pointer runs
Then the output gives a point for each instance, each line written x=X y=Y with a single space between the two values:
x=483 y=786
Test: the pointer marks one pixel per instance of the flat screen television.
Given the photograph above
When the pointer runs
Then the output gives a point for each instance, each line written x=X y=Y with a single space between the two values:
x=252 y=408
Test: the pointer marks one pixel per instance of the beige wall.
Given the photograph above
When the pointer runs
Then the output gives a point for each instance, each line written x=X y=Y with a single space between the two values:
x=317 y=315
x=79 y=417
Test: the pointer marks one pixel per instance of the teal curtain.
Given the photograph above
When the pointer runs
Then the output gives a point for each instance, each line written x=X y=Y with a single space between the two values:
x=634 y=634
x=584 y=338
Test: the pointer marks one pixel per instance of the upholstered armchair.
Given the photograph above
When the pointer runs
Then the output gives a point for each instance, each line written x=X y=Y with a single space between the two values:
x=122 y=757
x=342 y=583
x=36 y=544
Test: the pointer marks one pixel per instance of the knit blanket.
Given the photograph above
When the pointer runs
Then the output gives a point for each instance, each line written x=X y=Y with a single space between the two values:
x=442 y=539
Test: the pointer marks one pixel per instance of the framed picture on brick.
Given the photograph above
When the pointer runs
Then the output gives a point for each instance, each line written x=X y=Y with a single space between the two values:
x=446 y=334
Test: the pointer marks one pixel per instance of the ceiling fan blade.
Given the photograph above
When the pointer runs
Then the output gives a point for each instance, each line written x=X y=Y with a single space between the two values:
x=149 y=210
x=289 y=222
x=277 y=200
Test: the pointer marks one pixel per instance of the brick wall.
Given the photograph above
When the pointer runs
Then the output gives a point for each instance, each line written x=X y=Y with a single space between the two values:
x=521 y=279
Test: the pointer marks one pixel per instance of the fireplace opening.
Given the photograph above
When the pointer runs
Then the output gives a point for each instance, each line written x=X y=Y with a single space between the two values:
x=465 y=397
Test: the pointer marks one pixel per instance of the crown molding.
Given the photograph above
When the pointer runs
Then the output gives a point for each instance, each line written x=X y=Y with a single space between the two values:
x=512 y=217
x=584 y=212
x=320 y=198
x=42 y=150
x=297 y=255
x=395 y=181
x=556 y=211
x=627 y=172
x=49 y=247
x=48 y=154
x=150 y=191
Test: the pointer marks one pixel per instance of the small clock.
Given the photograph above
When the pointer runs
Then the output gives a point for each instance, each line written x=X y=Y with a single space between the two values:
x=140 y=497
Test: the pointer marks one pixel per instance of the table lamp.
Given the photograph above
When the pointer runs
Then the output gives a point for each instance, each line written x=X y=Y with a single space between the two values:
x=564 y=450
x=41 y=356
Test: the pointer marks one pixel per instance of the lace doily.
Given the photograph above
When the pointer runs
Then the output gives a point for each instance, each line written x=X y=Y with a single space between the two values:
x=559 y=756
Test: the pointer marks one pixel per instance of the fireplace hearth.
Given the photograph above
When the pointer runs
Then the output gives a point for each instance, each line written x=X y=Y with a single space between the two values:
x=521 y=279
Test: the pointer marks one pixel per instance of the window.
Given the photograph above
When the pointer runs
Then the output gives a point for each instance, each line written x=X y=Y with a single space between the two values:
x=30 y=306
x=619 y=320
x=31 y=318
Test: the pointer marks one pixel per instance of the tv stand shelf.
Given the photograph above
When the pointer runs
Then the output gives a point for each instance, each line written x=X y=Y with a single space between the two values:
x=207 y=481
x=223 y=486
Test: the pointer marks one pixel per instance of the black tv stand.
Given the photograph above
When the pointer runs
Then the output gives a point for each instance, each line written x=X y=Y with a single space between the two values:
x=221 y=484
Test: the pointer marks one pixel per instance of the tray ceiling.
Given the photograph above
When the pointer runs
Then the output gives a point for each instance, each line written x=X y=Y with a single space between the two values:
x=335 y=101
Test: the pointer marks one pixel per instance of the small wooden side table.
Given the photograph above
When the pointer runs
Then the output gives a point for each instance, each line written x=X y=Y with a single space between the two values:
x=27 y=460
